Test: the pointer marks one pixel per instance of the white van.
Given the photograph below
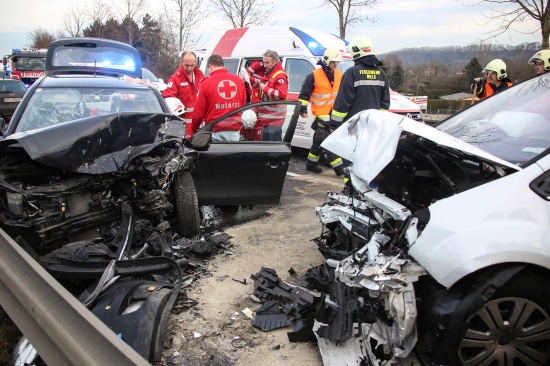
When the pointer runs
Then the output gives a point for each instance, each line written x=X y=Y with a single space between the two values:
x=299 y=49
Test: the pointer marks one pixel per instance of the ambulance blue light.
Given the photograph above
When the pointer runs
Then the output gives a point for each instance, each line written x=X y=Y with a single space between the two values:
x=311 y=43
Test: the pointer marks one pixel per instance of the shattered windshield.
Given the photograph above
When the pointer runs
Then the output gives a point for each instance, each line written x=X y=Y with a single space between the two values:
x=513 y=125
x=52 y=106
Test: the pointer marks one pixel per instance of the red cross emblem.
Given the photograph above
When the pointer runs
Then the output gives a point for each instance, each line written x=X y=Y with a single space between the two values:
x=227 y=89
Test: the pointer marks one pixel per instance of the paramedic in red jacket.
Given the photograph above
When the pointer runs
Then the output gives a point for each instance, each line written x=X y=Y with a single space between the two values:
x=183 y=84
x=273 y=87
x=219 y=93
x=256 y=71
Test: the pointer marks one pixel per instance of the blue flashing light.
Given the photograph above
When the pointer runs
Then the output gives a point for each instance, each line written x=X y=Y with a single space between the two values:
x=311 y=43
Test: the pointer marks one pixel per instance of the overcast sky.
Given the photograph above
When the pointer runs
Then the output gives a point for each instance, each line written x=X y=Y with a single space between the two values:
x=402 y=23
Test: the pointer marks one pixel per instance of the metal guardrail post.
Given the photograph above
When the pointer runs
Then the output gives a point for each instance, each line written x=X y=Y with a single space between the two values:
x=63 y=331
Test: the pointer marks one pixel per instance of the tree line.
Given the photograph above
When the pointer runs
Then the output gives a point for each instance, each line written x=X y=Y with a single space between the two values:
x=439 y=71
x=159 y=37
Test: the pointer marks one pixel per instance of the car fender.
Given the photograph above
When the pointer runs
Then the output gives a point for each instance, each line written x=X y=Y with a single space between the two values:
x=484 y=226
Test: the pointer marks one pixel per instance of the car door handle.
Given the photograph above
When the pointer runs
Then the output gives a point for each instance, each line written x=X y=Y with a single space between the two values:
x=274 y=165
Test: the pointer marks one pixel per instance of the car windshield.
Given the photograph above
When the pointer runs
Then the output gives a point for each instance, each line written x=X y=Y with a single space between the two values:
x=30 y=63
x=11 y=86
x=345 y=64
x=513 y=125
x=52 y=106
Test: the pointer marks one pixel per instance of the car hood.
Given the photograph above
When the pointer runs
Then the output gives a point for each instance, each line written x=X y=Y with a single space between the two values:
x=374 y=133
x=99 y=144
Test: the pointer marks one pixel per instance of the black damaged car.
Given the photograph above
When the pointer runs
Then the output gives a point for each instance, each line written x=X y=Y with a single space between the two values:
x=99 y=183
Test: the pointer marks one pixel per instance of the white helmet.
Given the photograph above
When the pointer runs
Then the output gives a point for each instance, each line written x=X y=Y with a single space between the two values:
x=542 y=55
x=360 y=46
x=331 y=54
x=176 y=106
x=498 y=66
x=249 y=118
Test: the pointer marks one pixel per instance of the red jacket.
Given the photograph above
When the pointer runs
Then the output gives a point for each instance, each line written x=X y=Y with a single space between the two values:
x=256 y=70
x=219 y=93
x=276 y=89
x=277 y=84
x=179 y=86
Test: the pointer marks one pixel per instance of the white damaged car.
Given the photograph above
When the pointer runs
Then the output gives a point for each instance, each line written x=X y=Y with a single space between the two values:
x=441 y=251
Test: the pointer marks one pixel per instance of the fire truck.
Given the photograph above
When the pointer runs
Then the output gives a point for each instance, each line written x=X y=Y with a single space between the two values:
x=26 y=64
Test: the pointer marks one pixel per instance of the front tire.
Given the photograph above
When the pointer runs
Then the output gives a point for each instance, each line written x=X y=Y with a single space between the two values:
x=187 y=205
x=512 y=328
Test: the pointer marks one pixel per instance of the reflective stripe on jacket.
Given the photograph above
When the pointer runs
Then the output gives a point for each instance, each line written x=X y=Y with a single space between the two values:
x=324 y=94
x=362 y=87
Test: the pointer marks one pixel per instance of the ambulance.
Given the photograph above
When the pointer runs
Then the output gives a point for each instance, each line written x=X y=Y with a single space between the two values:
x=299 y=49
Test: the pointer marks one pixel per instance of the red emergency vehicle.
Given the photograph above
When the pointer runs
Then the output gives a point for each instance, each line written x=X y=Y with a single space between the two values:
x=26 y=64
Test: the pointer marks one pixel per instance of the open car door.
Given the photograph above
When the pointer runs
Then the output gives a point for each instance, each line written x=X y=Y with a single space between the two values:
x=247 y=171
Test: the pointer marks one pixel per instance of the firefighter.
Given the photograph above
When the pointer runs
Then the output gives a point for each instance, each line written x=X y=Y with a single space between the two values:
x=320 y=89
x=541 y=60
x=273 y=87
x=183 y=84
x=219 y=93
x=363 y=86
x=496 y=80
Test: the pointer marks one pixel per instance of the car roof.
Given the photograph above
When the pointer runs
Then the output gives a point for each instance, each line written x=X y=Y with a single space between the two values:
x=93 y=56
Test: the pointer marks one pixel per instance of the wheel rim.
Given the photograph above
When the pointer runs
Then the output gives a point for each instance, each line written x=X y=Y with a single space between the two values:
x=507 y=331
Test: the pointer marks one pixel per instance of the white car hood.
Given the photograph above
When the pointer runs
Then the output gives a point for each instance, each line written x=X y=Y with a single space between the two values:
x=369 y=140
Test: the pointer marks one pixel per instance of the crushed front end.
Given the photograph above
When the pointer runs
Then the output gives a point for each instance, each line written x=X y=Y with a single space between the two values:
x=365 y=241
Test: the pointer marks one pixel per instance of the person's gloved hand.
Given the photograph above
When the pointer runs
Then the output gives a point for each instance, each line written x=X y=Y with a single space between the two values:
x=303 y=111
x=478 y=82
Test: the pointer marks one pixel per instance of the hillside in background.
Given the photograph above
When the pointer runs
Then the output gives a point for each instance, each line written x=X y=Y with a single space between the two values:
x=456 y=57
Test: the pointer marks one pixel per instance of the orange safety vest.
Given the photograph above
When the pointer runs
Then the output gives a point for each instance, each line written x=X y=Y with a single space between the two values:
x=488 y=91
x=324 y=94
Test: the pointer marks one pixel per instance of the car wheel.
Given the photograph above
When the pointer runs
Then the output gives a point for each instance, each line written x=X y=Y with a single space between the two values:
x=512 y=328
x=187 y=205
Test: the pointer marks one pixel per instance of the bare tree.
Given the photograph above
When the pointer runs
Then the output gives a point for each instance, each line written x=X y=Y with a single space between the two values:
x=130 y=12
x=40 y=37
x=74 y=20
x=243 y=13
x=187 y=17
x=98 y=13
x=508 y=13
x=351 y=12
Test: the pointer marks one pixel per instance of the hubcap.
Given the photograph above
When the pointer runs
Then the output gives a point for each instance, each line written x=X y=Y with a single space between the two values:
x=508 y=331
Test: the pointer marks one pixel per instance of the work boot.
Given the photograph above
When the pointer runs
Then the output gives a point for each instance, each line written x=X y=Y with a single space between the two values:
x=314 y=169
x=339 y=171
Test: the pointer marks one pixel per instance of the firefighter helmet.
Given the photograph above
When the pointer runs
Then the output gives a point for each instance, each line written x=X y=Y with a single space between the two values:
x=331 y=54
x=498 y=66
x=360 y=46
x=249 y=118
x=542 y=55
x=176 y=106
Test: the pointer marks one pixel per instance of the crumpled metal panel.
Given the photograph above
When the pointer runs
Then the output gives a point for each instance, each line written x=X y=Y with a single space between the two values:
x=99 y=144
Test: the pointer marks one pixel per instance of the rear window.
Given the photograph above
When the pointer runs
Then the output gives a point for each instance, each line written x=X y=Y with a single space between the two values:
x=92 y=56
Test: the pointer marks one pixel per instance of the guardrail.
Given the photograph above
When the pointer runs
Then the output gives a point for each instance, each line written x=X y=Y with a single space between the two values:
x=63 y=331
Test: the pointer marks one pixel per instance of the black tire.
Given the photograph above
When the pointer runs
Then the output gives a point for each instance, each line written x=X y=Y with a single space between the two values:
x=187 y=205
x=512 y=328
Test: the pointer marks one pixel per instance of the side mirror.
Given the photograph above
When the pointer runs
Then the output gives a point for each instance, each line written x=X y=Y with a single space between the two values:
x=200 y=140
